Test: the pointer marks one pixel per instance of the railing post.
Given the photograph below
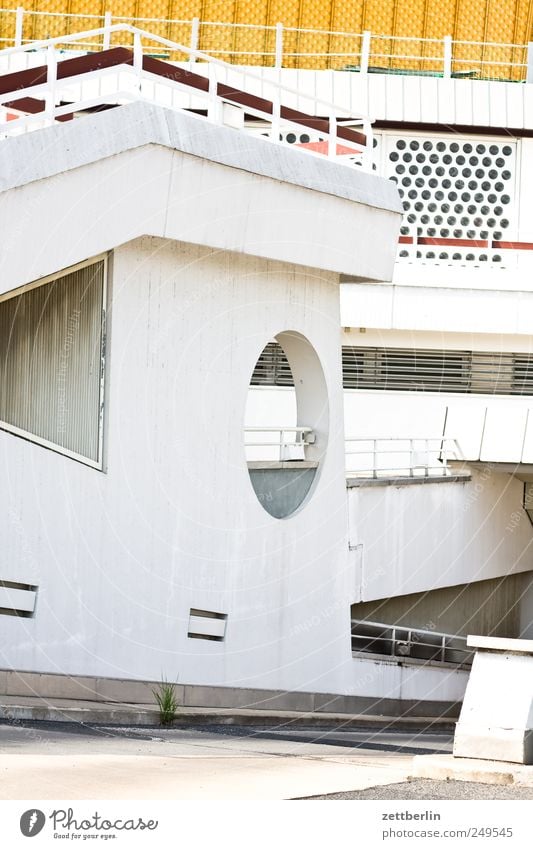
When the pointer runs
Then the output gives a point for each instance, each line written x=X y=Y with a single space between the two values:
x=51 y=78
x=107 y=35
x=448 y=57
x=278 y=57
x=19 y=24
x=195 y=38
x=375 y=459
x=368 y=152
x=332 y=138
x=365 y=52
x=529 y=73
x=276 y=118
x=214 y=109
x=138 y=57
x=411 y=458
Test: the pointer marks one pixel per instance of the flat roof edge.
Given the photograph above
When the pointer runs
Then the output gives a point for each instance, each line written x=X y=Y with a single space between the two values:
x=53 y=150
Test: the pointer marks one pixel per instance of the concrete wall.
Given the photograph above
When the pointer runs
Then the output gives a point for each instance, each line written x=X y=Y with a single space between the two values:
x=418 y=538
x=174 y=523
x=483 y=607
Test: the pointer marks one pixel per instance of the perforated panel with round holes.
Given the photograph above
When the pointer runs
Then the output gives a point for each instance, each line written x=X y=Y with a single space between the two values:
x=458 y=196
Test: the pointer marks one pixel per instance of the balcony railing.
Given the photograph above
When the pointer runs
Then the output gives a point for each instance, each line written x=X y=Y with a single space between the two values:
x=287 y=47
x=403 y=643
x=277 y=444
x=396 y=457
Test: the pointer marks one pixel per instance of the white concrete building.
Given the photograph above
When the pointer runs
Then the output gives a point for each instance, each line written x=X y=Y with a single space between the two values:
x=188 y=491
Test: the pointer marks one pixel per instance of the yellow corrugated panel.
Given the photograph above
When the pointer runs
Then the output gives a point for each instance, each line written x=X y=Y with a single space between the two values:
x=379 y=19
x=522 y=34
x=347 y=17
x=48 y=26
x=409 y=21
x=217 y=40
x=313 y=46
x=498 y=21
x=471 y=21
x=286 y=12
x=183 y=10
x=253 y=44
x=439 y=21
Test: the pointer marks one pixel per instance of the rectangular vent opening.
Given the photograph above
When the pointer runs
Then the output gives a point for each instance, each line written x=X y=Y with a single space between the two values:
x=17 y=599
x=207 y=625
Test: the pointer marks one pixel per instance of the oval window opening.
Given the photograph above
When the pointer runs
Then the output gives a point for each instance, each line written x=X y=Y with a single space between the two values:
x=286 y=423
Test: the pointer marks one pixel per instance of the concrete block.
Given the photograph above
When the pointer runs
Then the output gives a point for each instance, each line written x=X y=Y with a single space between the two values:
x=50 y=686
x=496 y=721
x=238 y=697
x=3 y=681
x=131 y=692
x=449 y=768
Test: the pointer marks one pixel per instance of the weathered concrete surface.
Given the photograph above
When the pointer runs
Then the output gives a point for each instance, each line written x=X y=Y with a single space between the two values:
x=50 y=764
x=446 y=767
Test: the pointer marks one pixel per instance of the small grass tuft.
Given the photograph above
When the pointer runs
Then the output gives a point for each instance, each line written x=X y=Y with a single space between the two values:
x=165 y=696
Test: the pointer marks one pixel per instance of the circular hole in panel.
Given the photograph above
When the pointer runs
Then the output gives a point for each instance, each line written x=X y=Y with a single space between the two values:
x=284 y=475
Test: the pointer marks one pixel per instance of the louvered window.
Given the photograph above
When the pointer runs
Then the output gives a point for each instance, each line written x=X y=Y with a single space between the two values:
x=415 y=370
x=51 y=361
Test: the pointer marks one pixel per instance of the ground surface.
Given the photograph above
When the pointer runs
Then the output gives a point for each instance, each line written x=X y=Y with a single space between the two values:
x=46 y=760
x=426 y=789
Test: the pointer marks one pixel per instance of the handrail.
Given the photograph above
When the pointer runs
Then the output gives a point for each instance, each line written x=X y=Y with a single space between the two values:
x=360 y=46
x=289 y=449
x=31 y=83
x=403 y=641
x=414 y=456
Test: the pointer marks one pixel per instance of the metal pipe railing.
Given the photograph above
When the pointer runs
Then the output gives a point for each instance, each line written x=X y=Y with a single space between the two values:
x=291 y=443
x=283 y=45
x=218 y=71
x=418 y=456
x=401 y=642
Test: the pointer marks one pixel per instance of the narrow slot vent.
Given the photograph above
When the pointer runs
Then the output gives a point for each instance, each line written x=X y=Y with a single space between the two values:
x=17 y=599
x=207 y=625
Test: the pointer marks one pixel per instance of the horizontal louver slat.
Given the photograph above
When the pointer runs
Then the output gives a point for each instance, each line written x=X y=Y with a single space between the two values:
x=418 y=370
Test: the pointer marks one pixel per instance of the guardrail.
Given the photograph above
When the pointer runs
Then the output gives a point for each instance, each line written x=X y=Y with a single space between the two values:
x=404 y=643
x=118 y=75
x=280 y=46
x=290 y=444
x=396 y=457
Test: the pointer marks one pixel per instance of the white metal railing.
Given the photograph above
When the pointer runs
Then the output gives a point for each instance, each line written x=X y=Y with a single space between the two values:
x=285 y=47
x=397 y=457
x=401 y=642
x=118 y=84
x=278 y=444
